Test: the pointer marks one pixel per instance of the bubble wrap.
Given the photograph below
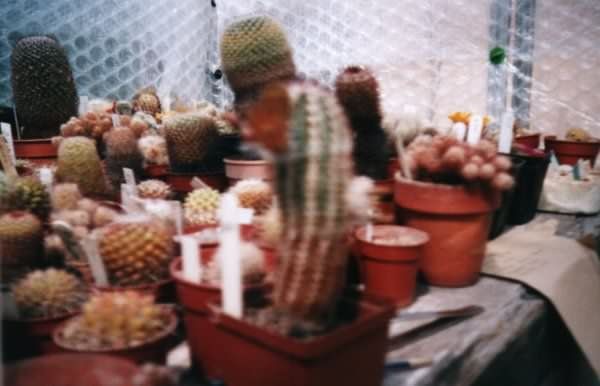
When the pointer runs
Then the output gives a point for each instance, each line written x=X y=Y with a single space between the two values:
x=432 y=54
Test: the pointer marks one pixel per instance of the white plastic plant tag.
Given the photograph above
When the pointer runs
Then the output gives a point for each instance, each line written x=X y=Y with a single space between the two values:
x=553 y=159
x=116 y=120
x=46 y=177
x=506 y=133
x=459 y=130
x=197 y=183
x=191 y=263
x=402 y=159
x=231 y=273
x=167 y=104
x=245 y=215
x=95 y=261
x=475 y=130
x=83 y=104
x=130 y=180
x=128 y=199
x=7 y=133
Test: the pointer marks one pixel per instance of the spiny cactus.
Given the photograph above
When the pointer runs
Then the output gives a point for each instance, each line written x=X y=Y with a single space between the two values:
x=200 y=206
x=579 y=135
x=155 y=189
x=49 y=293
x=116 y=321
x=147 y=100
x=29 y=194
x=121 y=152
x=252 y=260
x=444 y=159
x=254 y=52
x=313 y=169
x=21 y=244
x=65 y=196
x=357 y=91
x=136 y=253
x=154 y=149
x=253 y=194
x=189 y=137
x=79 y=163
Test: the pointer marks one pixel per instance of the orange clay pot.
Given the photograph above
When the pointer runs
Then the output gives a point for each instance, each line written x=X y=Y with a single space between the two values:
x=382 y=200
x=238 y=169
x=38 y=151
x=389 y=269
x=457 y=221
x=569 y=152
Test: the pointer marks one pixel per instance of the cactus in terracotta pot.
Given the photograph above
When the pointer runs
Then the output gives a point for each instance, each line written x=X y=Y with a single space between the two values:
x=357 y=90
x=21 y=244
x=121 y=152
x=313 y=169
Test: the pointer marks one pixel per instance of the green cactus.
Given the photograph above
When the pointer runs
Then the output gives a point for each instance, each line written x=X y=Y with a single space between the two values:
x=78 y=162
x=21 y=243
x=121 y=152
x=313 y=168
x=26 y=193
x=358 y=92
x=189 y=138
x=254 y=52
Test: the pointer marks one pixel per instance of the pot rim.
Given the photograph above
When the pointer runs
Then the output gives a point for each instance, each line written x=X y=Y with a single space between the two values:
x=554 y=140
x=43 y=319
x=168 y=331
x=424 y=238
x=239 y=162
x=33 y=141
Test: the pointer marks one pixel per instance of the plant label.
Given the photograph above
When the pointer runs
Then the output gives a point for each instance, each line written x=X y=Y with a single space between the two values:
x=130 y=180
x=506 y=133
x=7 y=133
x=475 y=130
x=95 y=261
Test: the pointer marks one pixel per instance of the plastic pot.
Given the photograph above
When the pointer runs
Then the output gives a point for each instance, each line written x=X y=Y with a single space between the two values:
x=528 y=188
x=154 y=350
x=457 y=221
x=239 y=169
x=350 y=355
x=569 y=152
x=38 y=151
x=500 y=216
x=181 y=182
x=531 y=140
x=202 y=336
x=162 y=291
x=389 y=269
x=25 y=338
x=71 y=370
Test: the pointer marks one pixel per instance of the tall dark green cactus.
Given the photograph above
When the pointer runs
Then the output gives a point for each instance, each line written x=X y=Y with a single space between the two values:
x=358 y=92
x=313 y=168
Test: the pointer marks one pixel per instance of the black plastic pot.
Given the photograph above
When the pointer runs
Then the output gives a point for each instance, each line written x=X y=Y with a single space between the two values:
x=500 y=216
x=528 y=188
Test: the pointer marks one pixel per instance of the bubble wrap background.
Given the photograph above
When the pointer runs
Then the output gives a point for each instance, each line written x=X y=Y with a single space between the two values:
x=429 y=53
x=116 y=47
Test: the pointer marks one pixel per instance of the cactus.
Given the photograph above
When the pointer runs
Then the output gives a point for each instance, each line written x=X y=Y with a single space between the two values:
x=313 y=169
x=21 y=243
x=48 y=294
x=121 y=152
x=28 y=194
x=154 y=149
x=269 y=226
x=136 y=253
x=65 y=196
x=254 y=52
x=357 y=91
x=147 y=100
x=78 y=162
x=578 y=135
x=200 y=206
x=252 y=260
x=254 y=194
x=116 y=320
x=43 y=86
x=446 y=160
x=155 y=189
x=189 y=137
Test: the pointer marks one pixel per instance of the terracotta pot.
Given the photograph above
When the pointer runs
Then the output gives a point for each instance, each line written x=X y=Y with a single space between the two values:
x=202 y=336
x=162 y=291
x=31 y=337
x=531 y=141
x=457 y=221
x=382 y=198
x=247 y=232
x=154 y=350
x=156 y=171
x=350 y=355
x=390 y=270
x=569 y=152
x=71 y=370
x=181 y=183
x=237 y=169
x=38 y=151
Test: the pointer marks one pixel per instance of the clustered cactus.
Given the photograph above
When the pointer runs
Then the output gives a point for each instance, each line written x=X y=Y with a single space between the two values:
x=254 y=52
x=26 y=193
x=116 y=320
x=313 y=169
x=154 y=189
x=48 y=294
x=147 y=100
x=446 y=160
x=358 y=92
x=96 y=124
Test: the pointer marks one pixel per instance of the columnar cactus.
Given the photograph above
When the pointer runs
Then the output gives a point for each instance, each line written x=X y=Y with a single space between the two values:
x=313 y=168
x=254 y=52
x=358 y=92
x=189 y=137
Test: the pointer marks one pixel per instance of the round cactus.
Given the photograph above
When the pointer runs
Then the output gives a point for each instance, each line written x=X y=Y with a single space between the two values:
x=28 y=194
x=200 y=206
x=65 y=196
x=189 y=138
x=21 y=244
x=155 y=189
x=253 y=194
x=79 y=163
x=49 y=293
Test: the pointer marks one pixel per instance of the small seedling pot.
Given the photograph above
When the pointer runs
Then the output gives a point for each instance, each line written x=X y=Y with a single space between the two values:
x=569 y=152
x=390 y=261
x=531 y=140
x=239 y=169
